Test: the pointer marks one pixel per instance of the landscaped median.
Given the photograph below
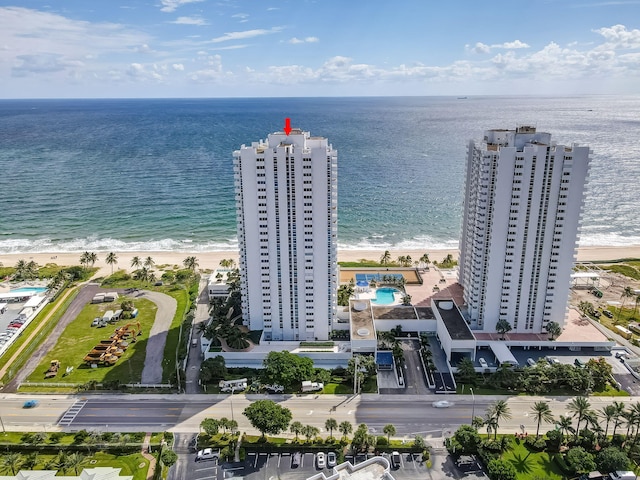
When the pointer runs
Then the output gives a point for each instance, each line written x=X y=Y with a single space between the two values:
x=70 y=453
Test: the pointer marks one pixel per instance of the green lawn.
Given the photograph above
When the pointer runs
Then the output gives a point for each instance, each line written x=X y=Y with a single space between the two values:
x=532 y=465
x=79 y=338
x=135 y=464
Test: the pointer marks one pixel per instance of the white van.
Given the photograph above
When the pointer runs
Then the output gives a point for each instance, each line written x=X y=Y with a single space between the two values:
x=483 y=363
x=531 y=362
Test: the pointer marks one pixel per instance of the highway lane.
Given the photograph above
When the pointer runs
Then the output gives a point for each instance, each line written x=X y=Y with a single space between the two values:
x=183 y=413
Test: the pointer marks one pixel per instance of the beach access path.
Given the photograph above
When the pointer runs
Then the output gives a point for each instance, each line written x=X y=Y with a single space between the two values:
x=152 y=371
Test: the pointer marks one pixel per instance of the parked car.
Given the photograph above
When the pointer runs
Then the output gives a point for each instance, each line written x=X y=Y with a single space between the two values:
x=274 y=388
x=207 y=454
x=442 y=404
x=578 y=363
x=295 y=460
x=531 y=362
x=552 y=360
x=395 y=459
x=331 y=459
x=607 y=313
x=321 y=460
x=483 y=363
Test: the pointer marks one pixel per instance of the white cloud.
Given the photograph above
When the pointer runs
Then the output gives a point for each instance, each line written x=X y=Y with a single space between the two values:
x=479 y=47
x=483 y=48
x=245 y=34
x=295 y=40
x=244 y=17
x=153 y=72
x=618 y=36
x=178 y=67
x=172 y=5
x=37 y=42
x=190 y=21
x=511 y=45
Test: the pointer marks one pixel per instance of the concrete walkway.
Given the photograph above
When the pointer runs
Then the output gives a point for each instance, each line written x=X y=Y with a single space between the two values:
x=152 y=372
x=194 y=358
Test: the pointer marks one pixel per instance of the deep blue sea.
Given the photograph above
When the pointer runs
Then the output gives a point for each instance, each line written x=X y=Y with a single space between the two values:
x=149 y=175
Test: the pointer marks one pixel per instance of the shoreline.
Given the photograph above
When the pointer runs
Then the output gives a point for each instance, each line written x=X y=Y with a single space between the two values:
x=211 y=260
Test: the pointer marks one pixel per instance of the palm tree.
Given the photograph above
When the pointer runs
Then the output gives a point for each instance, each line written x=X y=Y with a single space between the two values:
x=425 y=259
x=345 y=428
x=191 y=263
x=553 y=329
x=626 y=293
x=496 y=412
x=149 y=262
x=579 y=407
x=111 y=259
x=310 y=431
x=620 y=408
x=296 y=428
x=541 y=412
x=93 y=258
x=75 y=460
x=565 y=424
x=477 y=422
x=12 y=461
x=331 y=424
x=389 y=430
x=386 y=258
x=85 y=259
x=608 y=413
x=136 y=262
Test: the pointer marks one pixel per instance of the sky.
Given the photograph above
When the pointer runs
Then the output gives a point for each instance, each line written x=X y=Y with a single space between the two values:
x=290 y=48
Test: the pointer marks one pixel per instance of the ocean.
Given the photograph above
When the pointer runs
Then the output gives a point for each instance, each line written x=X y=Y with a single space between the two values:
x=149 y=175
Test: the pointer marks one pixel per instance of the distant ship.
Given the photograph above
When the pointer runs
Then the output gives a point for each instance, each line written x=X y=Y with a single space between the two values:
x=462 y=98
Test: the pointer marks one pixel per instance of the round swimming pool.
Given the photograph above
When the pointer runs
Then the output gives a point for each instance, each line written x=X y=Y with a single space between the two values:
x=385 y=296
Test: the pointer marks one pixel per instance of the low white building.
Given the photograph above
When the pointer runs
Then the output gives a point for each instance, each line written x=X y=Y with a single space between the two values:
x=97 y=473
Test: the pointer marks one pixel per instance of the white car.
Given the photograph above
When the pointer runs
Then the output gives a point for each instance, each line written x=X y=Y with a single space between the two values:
x=483 y=363
x=442 y=404
x=331 y=459
x=321 y=460
x=207 y=454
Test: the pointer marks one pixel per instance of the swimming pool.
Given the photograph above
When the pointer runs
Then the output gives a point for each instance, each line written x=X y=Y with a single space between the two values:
x=29 y=290
x=385 y=296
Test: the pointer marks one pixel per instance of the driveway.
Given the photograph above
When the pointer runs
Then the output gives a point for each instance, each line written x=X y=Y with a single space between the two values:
x=152 y=371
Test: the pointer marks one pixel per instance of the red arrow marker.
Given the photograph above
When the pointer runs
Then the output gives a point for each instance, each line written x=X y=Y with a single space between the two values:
x=287 y=126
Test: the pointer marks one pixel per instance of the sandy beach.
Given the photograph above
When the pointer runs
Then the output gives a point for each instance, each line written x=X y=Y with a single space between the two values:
x=211 y=260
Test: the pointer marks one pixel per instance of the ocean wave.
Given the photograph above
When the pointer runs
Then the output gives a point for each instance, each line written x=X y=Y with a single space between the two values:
x=46 y=245
x=426 y=243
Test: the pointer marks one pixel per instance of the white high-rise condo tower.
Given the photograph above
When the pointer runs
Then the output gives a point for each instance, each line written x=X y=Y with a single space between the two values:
x=522 y=212
x=287 y=211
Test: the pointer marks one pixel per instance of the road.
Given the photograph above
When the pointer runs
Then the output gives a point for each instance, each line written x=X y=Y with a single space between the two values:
x=410 y=414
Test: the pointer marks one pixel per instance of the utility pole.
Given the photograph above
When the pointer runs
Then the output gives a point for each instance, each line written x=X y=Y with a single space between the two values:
x=473 y=407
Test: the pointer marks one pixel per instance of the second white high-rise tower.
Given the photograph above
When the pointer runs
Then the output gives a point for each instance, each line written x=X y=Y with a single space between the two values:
x=522 y=211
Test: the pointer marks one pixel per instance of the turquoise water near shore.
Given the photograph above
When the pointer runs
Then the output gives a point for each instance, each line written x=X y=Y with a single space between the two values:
x=148 y=175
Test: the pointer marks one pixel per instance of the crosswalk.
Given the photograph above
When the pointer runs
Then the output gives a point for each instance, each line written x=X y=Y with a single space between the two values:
x=70 y=415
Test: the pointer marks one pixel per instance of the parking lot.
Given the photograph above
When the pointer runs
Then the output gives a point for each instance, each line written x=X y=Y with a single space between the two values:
x=265 y=466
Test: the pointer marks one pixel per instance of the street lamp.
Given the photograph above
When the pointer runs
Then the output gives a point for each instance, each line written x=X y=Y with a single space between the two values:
x=231 y=400
x=473 y=407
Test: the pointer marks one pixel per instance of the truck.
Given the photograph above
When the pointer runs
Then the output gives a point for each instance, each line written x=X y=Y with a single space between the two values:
x=233 y=385
x=622 y=475
x=309 y=386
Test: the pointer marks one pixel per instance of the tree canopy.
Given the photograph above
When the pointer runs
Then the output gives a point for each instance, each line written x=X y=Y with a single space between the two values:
x=287 y=369
x=268 y=417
